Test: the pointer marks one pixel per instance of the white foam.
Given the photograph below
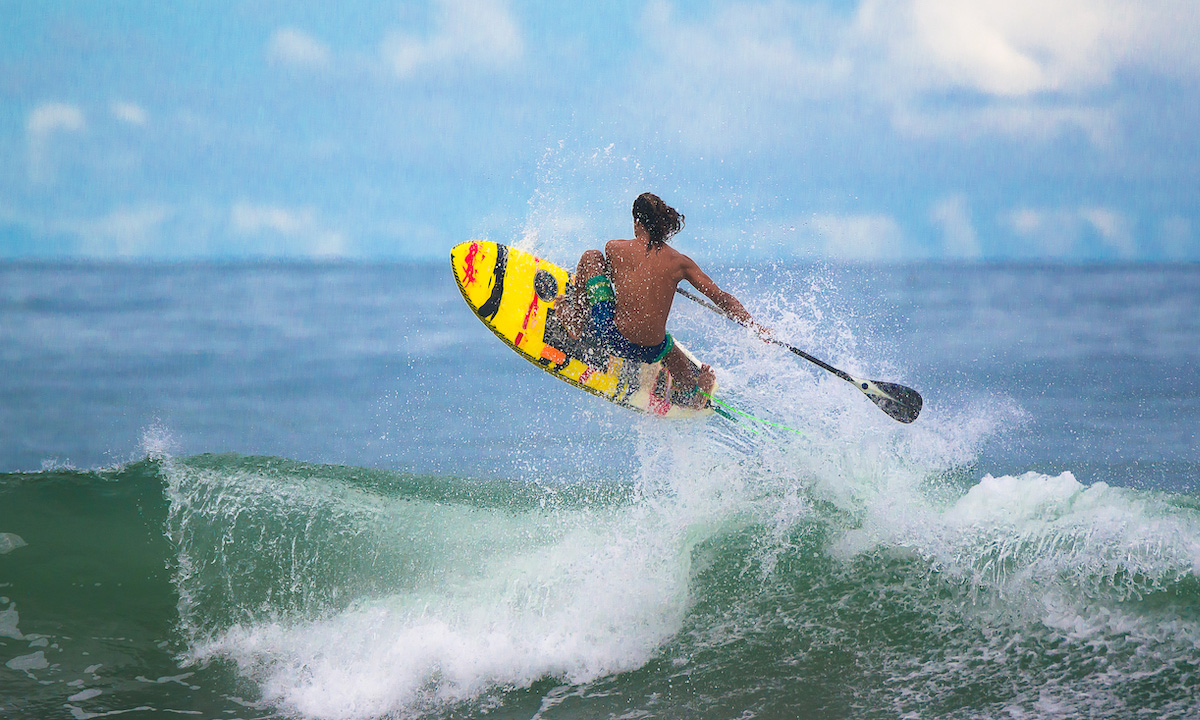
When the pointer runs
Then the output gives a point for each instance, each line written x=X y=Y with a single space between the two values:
x=1026 y=498
x=8 y=623
x=1042 y=547
x=10 y=542
x=597 y=600
x=33 y=661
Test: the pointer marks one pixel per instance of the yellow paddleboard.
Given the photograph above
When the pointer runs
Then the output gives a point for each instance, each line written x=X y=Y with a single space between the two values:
x=513 y=293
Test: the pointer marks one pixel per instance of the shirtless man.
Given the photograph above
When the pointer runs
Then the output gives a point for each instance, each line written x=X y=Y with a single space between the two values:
x=629 y=288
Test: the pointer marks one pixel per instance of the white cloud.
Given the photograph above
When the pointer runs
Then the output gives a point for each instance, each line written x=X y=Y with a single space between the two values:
x=129 y=113
x=1043 y=233
x=480 y=32
x=44 y=122
x=1022 y=68
x=959 y=239
x=1113 y=228
x=286 y=231
x=1063 y=233
x=127 y=231
x=295 y=48
x=124 y=232
x=165 y=231
x=1031 y=68
x=860 y=237
x=53 y=117
x=1020 y=48
x=996 y=47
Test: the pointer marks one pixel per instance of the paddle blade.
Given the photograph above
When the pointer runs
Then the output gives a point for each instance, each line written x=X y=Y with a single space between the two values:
x=899 y=402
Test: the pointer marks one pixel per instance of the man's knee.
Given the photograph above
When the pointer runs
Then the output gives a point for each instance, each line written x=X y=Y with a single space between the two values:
x=591 y=263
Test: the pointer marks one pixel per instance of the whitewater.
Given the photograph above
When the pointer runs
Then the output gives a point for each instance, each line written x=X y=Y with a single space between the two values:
x=308 y=491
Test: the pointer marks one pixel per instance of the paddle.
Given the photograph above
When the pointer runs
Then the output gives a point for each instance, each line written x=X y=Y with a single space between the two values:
x=899 y=402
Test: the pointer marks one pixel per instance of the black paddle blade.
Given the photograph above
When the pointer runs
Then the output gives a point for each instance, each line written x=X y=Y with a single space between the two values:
x=899 y=402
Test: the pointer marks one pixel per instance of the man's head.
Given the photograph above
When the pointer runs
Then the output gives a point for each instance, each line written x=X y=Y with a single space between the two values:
x=658 y=219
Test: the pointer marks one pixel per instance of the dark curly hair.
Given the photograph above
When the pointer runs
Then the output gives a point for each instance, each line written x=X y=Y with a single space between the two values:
x=660 y=220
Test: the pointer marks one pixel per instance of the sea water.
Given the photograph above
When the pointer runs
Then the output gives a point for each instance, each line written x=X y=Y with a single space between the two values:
x=327 y=491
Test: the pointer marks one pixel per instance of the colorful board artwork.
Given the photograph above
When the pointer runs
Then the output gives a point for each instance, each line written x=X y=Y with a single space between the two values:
x=513 y=293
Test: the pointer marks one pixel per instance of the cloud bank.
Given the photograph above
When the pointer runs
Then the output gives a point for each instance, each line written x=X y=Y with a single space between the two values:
x=285 y=231
x=873 y=130
x=938 y=67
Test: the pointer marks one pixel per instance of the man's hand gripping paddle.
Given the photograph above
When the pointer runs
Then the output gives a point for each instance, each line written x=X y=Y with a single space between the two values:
x=899 y=402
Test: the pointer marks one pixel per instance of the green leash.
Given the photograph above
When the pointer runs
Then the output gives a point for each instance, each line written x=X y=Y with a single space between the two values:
x=729 y=408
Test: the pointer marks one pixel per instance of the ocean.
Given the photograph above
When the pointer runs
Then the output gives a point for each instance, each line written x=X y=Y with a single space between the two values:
x=325 y=490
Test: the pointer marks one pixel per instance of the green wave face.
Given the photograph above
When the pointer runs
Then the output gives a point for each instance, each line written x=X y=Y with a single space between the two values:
x=326 y=591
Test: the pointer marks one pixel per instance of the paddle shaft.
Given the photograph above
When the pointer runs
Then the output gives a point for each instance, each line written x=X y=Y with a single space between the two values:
x=816 y=361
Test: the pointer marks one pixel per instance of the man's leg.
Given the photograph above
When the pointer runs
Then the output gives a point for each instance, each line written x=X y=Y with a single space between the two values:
x=572 y=308
x=684 y=378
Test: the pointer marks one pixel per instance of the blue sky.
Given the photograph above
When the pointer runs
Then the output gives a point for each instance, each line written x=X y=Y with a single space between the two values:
x=992 y=130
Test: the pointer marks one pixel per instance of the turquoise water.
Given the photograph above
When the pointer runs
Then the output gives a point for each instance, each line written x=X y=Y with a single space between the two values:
x=300 y=491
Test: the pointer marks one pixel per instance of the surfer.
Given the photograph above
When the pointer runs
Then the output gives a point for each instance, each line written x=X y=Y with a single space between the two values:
x=629 y=288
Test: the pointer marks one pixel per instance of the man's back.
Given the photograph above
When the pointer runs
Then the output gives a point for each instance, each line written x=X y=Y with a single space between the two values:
x=645 y=282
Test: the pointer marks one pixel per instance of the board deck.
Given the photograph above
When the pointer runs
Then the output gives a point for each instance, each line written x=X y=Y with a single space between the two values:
x=513 y=293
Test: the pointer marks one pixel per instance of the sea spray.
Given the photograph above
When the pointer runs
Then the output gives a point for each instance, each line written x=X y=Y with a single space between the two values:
x=441 y=601
x=1037 y=566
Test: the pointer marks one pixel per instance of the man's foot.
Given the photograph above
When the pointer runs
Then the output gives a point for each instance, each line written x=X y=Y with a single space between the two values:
x=704 y=383
x=694 y=396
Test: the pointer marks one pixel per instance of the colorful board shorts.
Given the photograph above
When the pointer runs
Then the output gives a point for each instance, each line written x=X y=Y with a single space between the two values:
x=604 y=309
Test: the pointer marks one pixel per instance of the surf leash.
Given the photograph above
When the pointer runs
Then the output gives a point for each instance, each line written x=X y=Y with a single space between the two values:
x=727 y=409
x=899 y=402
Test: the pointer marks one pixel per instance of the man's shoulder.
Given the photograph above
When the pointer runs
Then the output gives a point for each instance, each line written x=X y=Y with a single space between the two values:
x=679 y=257
x=617 y=244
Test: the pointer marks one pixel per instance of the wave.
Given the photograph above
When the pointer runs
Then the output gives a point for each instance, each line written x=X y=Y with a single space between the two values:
x=352 y=592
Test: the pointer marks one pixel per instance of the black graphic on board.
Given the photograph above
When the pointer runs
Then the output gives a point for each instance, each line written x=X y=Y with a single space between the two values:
x=488 y=310
x=545 y=285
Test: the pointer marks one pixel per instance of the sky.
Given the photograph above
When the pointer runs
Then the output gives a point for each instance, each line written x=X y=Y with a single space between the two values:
x=877 y=130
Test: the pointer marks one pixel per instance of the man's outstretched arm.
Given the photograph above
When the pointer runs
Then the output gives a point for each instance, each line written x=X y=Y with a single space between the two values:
x=728 y=304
